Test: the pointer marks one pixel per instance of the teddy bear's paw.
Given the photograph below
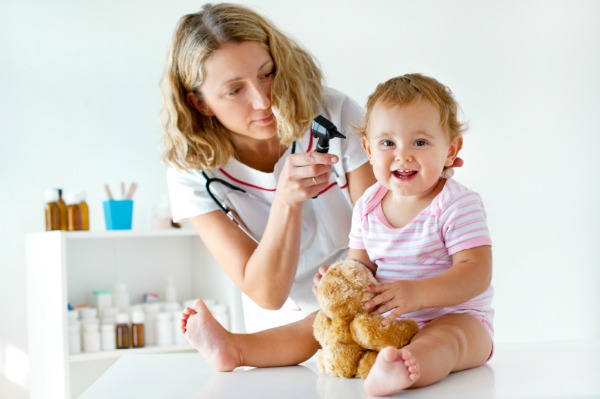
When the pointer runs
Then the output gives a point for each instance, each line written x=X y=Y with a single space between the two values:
x=365 y=363
x=407 y=329
x=368 y=332
x=321 y=329
x=332 y=331
x=339 y=360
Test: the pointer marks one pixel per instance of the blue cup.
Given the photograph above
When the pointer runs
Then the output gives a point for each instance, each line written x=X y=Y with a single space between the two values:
x=118 y=214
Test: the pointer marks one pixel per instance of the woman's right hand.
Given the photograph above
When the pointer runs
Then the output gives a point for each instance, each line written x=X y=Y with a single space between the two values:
x=304 y=176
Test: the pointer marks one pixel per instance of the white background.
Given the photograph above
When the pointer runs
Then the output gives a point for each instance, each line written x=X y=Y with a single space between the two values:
x=79 y=105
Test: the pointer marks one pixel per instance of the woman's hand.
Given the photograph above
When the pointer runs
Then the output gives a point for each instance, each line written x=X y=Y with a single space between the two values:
x=449 y=171
x=399 y=297
x=304 y=175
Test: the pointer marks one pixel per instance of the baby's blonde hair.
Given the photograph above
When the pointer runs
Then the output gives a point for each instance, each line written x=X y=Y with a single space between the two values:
x=192 y=140
x=403 y=90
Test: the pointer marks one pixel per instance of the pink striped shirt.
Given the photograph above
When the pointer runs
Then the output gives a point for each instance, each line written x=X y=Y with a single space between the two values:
x=454 y=221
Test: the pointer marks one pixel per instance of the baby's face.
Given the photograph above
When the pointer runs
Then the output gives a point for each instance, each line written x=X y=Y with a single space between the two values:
x=407 y=147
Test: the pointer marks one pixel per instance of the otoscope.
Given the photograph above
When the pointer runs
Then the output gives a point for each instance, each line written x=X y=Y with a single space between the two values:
x=324 y=130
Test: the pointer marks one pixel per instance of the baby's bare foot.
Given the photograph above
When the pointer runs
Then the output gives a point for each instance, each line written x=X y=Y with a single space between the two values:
x=394 y=370
x=214 y=342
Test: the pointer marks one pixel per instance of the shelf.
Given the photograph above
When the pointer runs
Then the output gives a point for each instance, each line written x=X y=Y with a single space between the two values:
x=67 y=266
x=83 y=235
x=85 y=357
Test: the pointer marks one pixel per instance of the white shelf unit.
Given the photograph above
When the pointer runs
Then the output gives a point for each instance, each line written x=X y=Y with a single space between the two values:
x=65 y=267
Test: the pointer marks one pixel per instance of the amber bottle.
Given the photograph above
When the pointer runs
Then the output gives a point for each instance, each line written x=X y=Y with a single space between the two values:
x=122 y=331
x=52 y=210
x=62 y=206
x=73 y=212
x=85 y=212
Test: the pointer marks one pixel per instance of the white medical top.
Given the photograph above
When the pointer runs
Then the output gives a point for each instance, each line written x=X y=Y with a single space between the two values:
x=326 y=219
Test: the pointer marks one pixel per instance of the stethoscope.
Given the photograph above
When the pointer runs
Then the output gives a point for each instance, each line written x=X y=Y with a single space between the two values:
x=221 y=202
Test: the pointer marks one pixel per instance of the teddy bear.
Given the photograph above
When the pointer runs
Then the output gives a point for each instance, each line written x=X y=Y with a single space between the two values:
x=351 y=337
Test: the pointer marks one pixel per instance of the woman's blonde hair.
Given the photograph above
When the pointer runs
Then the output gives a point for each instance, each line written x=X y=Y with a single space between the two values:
x=192 y=140
x=403 y=90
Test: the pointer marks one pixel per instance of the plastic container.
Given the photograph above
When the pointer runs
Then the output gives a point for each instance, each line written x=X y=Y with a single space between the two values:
x=108 y=336
x=118 y=214
x=91 y=337
x=178 y=337
x=109 y=315
x=88 y=314
x=75 y=337
x=151 y=310
x=52 y=211
x=103 y=300
x=164 y=329
x=73 y=315
x=121 y=297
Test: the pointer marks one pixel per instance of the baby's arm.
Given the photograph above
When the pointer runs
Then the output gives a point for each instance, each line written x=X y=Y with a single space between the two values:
x=360 y=255
x=469 y=276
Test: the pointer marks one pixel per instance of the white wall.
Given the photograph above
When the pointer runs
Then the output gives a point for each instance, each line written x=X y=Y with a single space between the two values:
x=79 y=104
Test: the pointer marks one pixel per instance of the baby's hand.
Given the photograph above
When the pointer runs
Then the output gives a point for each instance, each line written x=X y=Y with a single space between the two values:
x=398 y=298
x=317 y=278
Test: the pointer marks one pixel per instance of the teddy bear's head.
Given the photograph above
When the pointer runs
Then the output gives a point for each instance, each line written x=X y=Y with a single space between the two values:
x=343 y=289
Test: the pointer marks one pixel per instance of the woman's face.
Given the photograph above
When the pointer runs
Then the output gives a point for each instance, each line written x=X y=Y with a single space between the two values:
x=237 y=89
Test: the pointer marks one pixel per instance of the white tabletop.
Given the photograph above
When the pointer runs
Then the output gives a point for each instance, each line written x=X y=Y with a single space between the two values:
x=569 y=369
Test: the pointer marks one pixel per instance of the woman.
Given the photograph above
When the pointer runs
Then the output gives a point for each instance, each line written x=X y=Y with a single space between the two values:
x=239 y=100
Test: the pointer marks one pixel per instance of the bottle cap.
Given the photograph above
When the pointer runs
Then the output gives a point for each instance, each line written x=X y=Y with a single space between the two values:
x=73 y=315
x=153 y=307
x=91 y=326
x=122 y=318
x=71 y=198
x=88 y=313
x=137 y=317
x=170 y=306
x=101 y=292
x=51 y=195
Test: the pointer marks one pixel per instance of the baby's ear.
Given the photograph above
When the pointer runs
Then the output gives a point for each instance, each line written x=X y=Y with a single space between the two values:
x=455 y=147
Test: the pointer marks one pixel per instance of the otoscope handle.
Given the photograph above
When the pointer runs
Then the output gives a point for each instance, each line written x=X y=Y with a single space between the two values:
x=324 y=130
x=322 y=148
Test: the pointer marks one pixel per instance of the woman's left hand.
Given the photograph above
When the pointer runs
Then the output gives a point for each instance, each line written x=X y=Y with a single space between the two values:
x=399 y=297
x=449 y=171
